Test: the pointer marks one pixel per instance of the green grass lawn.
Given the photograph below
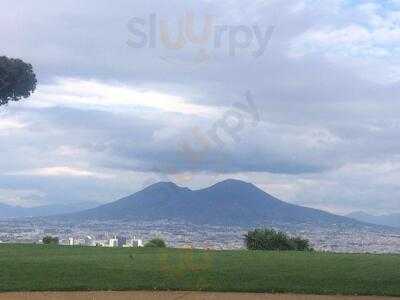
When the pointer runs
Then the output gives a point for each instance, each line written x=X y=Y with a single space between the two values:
x=53 y=268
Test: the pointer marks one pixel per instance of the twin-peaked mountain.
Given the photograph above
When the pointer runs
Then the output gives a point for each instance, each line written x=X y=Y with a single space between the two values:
x=231 y=202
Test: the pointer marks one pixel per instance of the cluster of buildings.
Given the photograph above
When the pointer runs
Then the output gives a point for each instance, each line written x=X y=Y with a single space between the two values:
x=114 y=242
x=117 y=233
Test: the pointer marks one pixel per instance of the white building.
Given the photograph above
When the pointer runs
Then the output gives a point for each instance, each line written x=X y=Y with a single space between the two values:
x=102 y=243
x=89 y=241
x=113 y=242
x=135 y=243
x=71 y=241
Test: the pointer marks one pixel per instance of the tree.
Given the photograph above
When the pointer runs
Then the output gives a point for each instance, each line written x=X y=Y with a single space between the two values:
x=156 y=243
x=269 y=239
x=49 y=240
x=301 y=244
x=17 y=80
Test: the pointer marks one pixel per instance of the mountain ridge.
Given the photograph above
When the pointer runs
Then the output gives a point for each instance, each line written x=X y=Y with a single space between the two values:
x=10 y=211
x=230 y=202
x=392 y=220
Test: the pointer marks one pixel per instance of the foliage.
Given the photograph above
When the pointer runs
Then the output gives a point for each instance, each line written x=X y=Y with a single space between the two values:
x=17 y=80
x=269 y=239
x=156 y=243
x=49 y=240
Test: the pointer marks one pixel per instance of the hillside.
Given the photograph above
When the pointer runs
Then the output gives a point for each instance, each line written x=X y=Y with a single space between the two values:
x=392 y=220
x=8 y=211
x=46 y=268
x=230 y=202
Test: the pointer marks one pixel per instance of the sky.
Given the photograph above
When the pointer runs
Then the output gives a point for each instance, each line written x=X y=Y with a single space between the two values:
x=297 y=97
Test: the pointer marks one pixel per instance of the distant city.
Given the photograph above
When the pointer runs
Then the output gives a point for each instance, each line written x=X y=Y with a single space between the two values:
x=216 y=217
x=185 y=235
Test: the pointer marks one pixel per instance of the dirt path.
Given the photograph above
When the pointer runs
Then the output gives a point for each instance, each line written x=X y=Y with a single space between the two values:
x=172 y=296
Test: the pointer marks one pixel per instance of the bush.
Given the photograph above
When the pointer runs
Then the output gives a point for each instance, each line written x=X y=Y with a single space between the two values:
x=156 y=243
x=49 y=240
x=17 y=80
x=301 y=244
x=269 y=239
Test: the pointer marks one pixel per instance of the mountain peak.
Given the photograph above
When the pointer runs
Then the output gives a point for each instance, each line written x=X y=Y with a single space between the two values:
x=229 y=202
x=166 y=185
x=232 y=183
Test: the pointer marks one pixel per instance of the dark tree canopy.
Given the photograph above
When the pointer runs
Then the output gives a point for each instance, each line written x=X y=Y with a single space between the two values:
x=49 y=240
x=17 y=80
x=269 y=239
x=156 y=243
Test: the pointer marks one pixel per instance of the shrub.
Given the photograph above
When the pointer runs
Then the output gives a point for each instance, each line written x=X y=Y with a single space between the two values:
x=17 y=80
x=269 y=239
x=156 y=243
x=49 y=240
x=301 y=244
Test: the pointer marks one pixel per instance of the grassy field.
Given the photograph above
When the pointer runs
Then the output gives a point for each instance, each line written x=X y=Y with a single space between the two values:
x=53 y=268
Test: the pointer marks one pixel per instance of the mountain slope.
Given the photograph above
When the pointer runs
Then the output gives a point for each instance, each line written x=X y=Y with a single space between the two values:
x=8 y=211
x=392 y=220
x=230 y=202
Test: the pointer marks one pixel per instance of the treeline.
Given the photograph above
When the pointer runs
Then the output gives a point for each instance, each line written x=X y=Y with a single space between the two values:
x=269 y=239
x=49 y=240
x=154 y=243
x=258 y=239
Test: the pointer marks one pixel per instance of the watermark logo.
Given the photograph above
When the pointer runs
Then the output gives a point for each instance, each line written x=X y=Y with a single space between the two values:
x=197 y=148
x=227 y=127
x=190 y=263
x=207 y=37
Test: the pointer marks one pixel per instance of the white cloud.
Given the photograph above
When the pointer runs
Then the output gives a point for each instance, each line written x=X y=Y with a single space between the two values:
x=70 y=92
x=25 y=197
x=366 y=38
x=62 y=171
x=8 y=124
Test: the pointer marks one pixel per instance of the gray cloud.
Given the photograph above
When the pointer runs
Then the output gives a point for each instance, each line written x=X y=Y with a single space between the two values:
x=320 y=117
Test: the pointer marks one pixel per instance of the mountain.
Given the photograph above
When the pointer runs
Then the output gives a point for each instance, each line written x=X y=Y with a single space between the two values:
x=392 y=220
x=231 y=202
x=8 y=211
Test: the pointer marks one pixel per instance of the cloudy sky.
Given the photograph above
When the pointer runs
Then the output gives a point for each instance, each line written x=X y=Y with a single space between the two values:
x=298 y=97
